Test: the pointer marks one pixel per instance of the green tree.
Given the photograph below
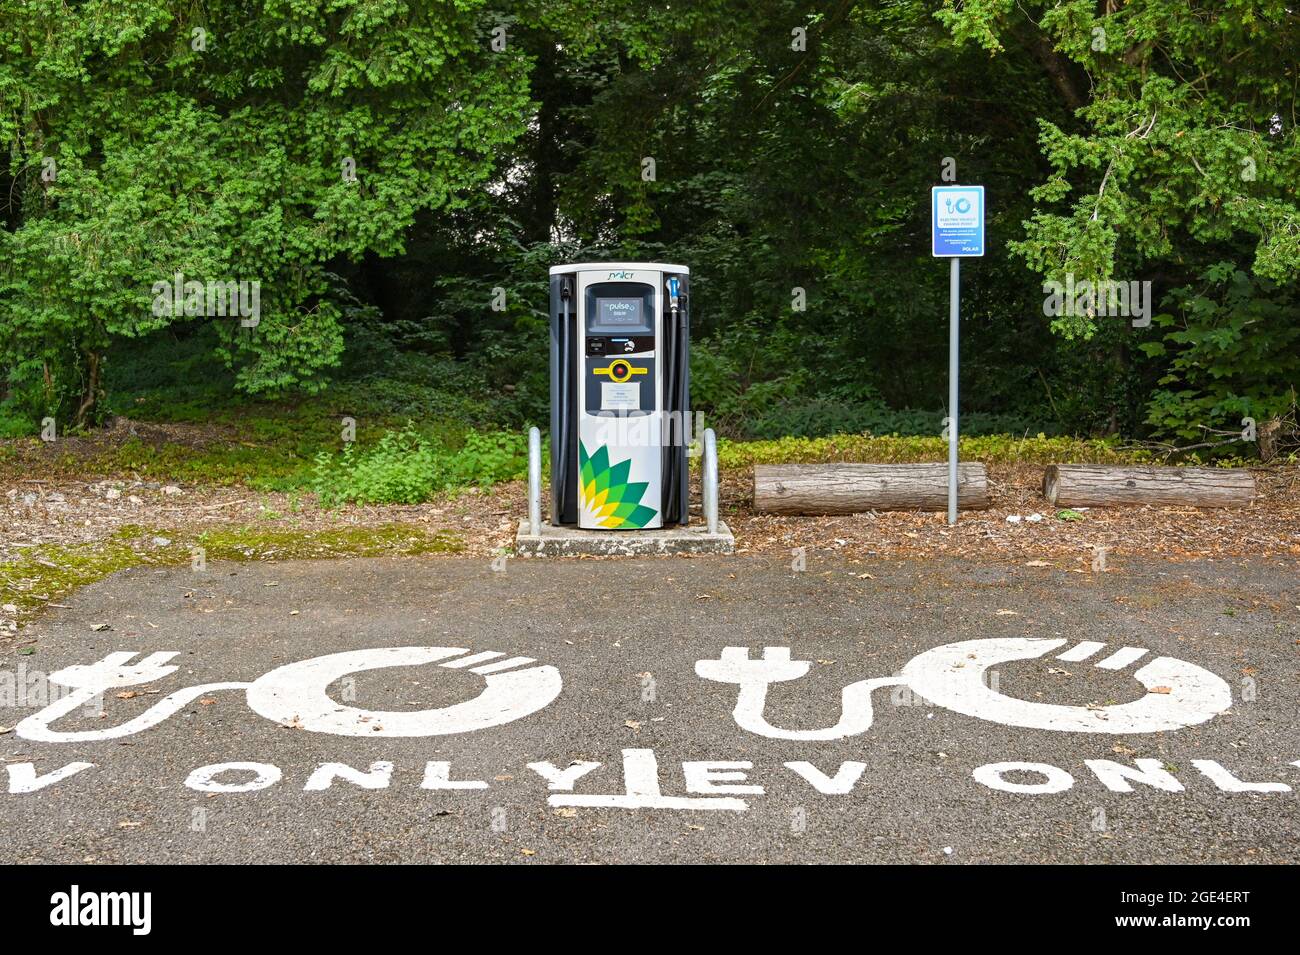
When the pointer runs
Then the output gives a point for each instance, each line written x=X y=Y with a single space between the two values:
x=152 y=137
x=1183 y=173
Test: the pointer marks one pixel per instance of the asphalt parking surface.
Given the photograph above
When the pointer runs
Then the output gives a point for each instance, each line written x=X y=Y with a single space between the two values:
x=624 y=638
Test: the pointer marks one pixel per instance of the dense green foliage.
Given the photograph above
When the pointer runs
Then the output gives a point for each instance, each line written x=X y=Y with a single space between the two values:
x=149 y=138
x=405 y=467
x=794 y=145
x=1183 y=170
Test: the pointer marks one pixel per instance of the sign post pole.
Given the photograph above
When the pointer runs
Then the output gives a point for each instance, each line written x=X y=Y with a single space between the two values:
x=954 y=311
x=957 y=232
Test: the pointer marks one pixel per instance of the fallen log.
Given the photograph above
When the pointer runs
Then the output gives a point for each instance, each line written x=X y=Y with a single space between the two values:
x=1098 y=485
x=850 y=488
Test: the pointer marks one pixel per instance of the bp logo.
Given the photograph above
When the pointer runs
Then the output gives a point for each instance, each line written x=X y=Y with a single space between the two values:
x=608 y=497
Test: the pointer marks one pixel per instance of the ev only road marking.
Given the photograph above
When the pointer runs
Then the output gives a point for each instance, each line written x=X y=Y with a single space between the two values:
x=297 y=694
x=713 y=784
x=953 y=676
x=1180 y=694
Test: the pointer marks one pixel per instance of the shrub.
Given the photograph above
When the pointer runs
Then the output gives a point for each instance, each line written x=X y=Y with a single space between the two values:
x=407 y=467
x=487 y=458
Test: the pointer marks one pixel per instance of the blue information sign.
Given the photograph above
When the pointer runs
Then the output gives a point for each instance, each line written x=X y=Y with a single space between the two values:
x=957 y=221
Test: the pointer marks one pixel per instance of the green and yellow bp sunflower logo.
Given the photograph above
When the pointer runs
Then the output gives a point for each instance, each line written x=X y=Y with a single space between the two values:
x=607 y=496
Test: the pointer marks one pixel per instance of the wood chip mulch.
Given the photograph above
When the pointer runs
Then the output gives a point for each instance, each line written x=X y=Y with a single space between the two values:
x=1020 y=525
x=36 y=512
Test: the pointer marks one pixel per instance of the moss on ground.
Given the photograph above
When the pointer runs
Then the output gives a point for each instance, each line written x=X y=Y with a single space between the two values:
x=259 y=543
x=44 y=574
x=890 y=449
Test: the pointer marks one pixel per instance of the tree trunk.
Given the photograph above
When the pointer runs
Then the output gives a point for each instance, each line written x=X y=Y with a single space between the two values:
x=1093 y=485
x=1062 y=71
x=850 y=488
x=91 y=394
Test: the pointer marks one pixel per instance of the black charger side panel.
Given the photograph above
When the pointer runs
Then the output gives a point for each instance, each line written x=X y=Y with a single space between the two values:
x=677 y=389
x=564 y=410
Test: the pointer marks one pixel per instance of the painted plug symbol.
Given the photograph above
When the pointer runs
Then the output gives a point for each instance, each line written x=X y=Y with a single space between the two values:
x=735 y=666
x=113 y=671
x=1178 y=693
x=754 y=676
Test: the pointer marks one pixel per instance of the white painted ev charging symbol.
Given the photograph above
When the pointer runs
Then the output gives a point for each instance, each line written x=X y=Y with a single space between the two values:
x=297 y=694
x=952 y=677
x=1179 y=694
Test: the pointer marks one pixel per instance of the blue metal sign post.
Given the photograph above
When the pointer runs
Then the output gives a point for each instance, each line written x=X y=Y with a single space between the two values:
x=956 y=233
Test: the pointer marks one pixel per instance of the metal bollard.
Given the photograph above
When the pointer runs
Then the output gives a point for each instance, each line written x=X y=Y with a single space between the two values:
x=534 y=482
x=710 y=480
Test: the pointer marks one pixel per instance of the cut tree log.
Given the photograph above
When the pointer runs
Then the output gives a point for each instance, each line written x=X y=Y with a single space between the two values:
x=850 y=488
x=1099 y=485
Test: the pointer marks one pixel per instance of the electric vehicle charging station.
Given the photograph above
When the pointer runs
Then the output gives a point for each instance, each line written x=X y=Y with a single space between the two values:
x=620 y=395
x=620 y=417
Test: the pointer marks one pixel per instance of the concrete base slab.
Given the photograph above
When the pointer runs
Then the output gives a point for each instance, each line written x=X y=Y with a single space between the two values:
x=572 y=542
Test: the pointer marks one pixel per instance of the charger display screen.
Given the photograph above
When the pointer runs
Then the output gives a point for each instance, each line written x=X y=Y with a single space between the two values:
x=619 y=308
x=619 y=312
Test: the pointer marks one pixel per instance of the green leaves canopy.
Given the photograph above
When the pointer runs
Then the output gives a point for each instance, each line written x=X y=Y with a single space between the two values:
x=216 y=142
x=794 y=143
